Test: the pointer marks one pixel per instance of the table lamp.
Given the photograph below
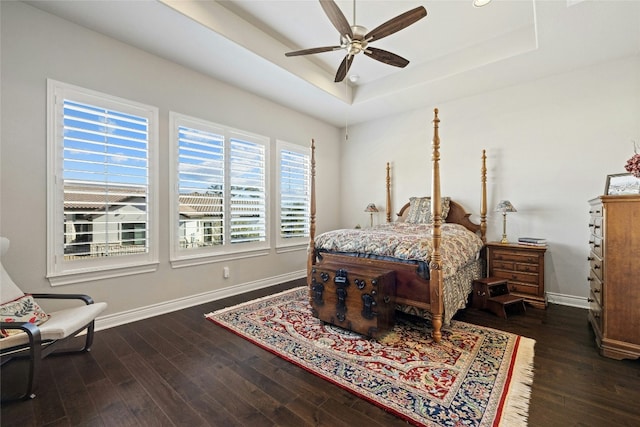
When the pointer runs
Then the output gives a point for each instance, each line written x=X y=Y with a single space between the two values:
x=505 y=206
x=371 y=208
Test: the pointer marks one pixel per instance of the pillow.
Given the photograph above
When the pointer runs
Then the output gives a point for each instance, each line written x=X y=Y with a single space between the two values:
x=23 y=309
x=420 y=210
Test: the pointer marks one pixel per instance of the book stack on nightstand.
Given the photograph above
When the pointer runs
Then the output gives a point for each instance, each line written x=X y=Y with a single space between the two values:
x=532 y=241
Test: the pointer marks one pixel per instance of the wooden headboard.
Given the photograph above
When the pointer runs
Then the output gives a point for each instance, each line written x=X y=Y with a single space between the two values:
x=457 y=214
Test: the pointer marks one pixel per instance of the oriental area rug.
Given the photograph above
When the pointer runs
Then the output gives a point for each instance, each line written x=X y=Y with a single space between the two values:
x=475 y=376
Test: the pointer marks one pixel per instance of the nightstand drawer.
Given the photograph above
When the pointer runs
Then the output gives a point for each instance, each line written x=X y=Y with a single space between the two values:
x=504 y=265
x=516 y=276
x=526 y=268
x=515 y=256
x=523 y=288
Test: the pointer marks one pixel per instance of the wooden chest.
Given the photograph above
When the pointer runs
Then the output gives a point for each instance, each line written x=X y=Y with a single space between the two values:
x=361 y=299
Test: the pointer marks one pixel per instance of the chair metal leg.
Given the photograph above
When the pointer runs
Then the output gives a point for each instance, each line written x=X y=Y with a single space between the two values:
x=90 y=331
x=34 y=357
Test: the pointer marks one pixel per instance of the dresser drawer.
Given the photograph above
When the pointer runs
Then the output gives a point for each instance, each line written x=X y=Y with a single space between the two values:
x=595 y=210
x=596 y=287
x=595 y=244
x=595 y=313
x=596 y=265
x=530 y=278
x=595 y=225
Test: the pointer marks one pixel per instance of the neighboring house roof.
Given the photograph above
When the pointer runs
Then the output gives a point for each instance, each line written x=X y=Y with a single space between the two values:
x=94 y=198
x=97 y=196
x=198 y=205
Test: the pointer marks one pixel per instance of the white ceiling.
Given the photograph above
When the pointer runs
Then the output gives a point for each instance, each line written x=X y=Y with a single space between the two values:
x=457 y=50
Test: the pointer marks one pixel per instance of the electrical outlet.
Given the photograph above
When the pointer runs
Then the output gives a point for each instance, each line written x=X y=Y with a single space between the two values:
x=225 y=272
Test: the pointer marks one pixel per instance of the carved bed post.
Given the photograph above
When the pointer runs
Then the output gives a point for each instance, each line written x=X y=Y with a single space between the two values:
x=483 y=202
x=311 y=255
x=435 y=267
x=388 y=193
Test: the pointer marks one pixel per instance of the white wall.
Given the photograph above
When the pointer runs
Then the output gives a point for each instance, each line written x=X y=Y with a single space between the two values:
x=550 y=145
x=36 y=46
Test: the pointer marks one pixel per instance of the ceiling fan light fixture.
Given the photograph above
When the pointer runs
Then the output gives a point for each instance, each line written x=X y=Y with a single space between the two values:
x=355 y=39
x=480 y=3
x=353 y=78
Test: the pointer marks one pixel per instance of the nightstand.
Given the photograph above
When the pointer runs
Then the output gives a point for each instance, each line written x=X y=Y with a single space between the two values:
x=522 y=266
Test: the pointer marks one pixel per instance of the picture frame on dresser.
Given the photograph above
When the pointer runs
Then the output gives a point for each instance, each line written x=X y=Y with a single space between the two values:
x=621 y=183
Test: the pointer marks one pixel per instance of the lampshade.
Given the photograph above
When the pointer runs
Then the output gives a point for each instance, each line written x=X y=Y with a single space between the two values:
x=371 y=207
x=505 y=206
x=480 y=3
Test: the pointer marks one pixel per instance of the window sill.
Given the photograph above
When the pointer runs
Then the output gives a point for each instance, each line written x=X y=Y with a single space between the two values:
x=88 y=275
x=292 y=247
x=191 y=260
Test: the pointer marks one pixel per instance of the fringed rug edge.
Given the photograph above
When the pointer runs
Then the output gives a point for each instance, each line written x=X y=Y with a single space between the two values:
x=518 y=392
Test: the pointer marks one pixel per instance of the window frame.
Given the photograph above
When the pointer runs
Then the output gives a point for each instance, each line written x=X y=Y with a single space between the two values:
x=59 y=270
x=291 y=243
x=227 y=251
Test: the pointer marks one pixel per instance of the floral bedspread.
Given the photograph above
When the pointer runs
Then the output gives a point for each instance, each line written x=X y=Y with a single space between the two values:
x=406 y=241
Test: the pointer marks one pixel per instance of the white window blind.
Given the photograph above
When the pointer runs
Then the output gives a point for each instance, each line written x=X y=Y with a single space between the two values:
x=105 y=179
x=247 y=169
x=101 y=193
x=294 y=194
x=201 y=173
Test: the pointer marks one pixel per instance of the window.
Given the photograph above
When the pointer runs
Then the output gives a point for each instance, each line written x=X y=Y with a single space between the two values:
x=101 y=185
x=294 y=194
x=220 y=206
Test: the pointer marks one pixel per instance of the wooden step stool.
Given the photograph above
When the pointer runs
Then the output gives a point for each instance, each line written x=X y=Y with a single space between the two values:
x=492 y=293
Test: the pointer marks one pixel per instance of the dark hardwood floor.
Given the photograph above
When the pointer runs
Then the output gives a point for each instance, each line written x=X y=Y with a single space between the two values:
x=179 y=369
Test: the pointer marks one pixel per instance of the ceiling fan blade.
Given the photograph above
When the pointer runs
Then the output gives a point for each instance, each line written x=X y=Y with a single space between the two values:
x=396 y=24
x=386 y=57
x=343 y=69
x=336 y=17
x=313 y=50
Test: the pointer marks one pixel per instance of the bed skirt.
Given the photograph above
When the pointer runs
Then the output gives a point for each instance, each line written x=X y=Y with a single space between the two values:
x=456 y=292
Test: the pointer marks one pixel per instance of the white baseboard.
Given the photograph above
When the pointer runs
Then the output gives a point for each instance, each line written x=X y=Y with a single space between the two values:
x=570 y=300
x=115 y=319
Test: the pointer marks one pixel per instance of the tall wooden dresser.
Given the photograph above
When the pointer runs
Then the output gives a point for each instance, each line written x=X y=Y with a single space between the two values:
x=614 y=275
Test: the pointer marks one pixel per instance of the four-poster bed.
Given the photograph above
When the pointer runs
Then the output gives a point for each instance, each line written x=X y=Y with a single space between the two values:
x=432 y=249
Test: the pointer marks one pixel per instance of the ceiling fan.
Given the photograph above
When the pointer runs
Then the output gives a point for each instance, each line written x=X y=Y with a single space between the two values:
x=355 y=38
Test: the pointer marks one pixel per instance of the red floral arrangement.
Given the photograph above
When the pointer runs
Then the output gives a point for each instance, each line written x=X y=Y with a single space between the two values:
x=633 y=164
